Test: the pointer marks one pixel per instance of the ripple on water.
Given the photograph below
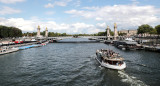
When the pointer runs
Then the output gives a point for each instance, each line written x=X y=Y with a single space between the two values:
x=133 y=81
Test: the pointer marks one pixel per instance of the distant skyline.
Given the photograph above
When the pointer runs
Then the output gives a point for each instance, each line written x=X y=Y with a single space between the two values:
x=78 y=16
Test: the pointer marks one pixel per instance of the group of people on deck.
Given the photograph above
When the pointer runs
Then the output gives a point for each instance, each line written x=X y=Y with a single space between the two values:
x=109 y=53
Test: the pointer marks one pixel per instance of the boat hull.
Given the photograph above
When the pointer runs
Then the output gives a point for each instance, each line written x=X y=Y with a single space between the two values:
x=117 y=67
x=9 y=51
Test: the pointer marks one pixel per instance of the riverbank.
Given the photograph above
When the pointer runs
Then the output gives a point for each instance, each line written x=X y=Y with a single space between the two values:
x=133 y=45
x=10 y=45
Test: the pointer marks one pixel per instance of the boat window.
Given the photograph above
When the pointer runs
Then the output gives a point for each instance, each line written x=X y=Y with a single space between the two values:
x=121 y=62
x=114 y=62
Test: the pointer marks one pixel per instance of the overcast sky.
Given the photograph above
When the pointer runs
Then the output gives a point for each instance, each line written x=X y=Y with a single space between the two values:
x=78 y=16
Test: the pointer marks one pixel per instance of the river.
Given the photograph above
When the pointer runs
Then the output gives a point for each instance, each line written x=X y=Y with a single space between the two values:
x=74 y=64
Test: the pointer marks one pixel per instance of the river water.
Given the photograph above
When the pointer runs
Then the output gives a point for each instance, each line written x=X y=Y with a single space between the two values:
x=74 y=64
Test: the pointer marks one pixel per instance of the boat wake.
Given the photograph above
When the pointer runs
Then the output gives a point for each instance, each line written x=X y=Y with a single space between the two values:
x=130 y=79
x=101 y=67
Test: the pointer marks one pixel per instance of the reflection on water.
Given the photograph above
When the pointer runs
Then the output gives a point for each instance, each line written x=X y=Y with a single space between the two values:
x=74 y=64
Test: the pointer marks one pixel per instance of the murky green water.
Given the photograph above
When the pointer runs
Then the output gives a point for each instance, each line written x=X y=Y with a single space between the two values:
x=74 y=64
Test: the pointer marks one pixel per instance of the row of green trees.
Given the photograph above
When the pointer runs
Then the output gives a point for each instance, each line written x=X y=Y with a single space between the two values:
x=83 y=34
x=145 y=28
x=9 y=32
x=53 y=34
x=104 y=33
x=30 y=34
x=50 y=34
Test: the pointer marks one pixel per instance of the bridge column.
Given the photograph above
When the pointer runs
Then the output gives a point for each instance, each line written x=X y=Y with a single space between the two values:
x=38 y=31
x=108 y=33
x=115 y=31
x=46 y=33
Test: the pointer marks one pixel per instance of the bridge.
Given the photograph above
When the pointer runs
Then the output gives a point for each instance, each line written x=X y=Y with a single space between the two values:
x=61 y=39
x=97 y=38
x=78 y=42
x=93 y=37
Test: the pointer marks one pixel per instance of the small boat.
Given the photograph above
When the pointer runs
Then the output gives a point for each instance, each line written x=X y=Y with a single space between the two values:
x=36 y=45
x=47 y=42
x=43 y=44
x=29 y=46
x=24 y=47
x=110 y=59
x=91 y=38
x=6 y=49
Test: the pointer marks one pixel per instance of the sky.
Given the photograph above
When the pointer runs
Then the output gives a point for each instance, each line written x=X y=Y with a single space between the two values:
x=78 y=16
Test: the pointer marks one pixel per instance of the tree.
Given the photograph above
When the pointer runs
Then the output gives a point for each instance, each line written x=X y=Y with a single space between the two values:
x=145 y=28
x=9 y=32
x=154 y=31
x=111 y=32
x=64 y=34
x=158 y=29
x=122 y=34
x=101 y=33
x=43 y=33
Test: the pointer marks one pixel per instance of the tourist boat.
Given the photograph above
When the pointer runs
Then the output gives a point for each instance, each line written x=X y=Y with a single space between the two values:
x=110 y=59
x=108 y=42
x=6 y=49
x=91 y=38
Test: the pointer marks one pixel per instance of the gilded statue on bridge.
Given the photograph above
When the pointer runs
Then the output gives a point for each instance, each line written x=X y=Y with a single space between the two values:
x=115 y=25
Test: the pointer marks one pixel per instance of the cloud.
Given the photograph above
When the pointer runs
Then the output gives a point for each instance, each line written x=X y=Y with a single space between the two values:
x=24 y=25
x=31 y=26
x=135 y=2
x=125 y=15
x=60 y=3
x=77 y=3
x=99 y=19
x=11 y=1
x=101 y=25
x=7 y=10
x=49 y=5
x=49 y=13
x=80 y=13
x=57 y=3
x=91 y=8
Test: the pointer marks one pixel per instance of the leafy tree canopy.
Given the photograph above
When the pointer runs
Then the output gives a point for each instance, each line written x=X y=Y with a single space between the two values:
x=157 y=29
x=9 y=32
x=145 y=28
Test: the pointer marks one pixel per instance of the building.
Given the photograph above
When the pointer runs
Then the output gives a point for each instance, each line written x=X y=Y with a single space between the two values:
x=128 y=32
